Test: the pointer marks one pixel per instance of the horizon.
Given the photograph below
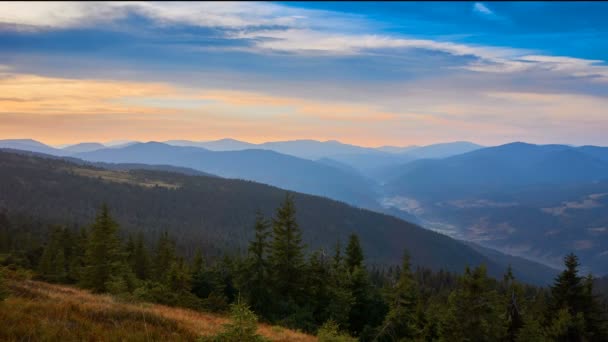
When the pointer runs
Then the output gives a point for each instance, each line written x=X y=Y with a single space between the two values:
x=126 y=141
x=367 y=74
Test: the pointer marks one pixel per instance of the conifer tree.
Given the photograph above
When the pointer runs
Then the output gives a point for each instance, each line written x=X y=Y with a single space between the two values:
x=568 y=293
x=164 y=257
x=76 y=261
x=287 y=256
x=140 y=260
x=179 y=276
x=341 y=298
x=317 y=286
x=105 y=259
x=359 y=286
x=52 y=265
x=354 y=253
x=596 y=320
x=256 y=283
x=474 y=312
x=514 y=303
x=400 y=323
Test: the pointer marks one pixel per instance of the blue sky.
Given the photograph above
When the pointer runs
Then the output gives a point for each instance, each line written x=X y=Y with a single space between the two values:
x=369 y=73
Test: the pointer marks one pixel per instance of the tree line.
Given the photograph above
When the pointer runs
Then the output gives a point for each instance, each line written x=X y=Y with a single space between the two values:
x=283 y=283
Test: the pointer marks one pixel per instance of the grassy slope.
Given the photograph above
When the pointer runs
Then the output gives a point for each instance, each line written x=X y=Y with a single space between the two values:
x=38 y=311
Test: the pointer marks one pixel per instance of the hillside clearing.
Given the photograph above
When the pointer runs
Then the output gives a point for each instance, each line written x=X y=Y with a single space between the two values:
x=46 y=312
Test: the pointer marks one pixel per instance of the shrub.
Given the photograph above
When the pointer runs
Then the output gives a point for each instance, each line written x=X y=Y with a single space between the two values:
x=243 y=327
x=330 y=332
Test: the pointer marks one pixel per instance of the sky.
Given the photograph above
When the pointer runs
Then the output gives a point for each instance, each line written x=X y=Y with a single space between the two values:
x=365 y=73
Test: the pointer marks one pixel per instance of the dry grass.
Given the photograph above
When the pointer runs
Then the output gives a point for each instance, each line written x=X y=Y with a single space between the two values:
x=122 y=177
x=38 y=311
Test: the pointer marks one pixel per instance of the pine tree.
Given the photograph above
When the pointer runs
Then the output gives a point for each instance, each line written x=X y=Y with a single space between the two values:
x=513 y=299
x=179 y=276
x=400 y=322
x=341 y=298
x=105 y=260
x=568 y=293
x=256 y=269
x=474 y=312
x=52 y=265
x=76 y=261
x=164 y=257
x=287 y=258
x=596 y=327
x=242 y=327
x=359 y=286
x=140 y=260
x=317 y=286
x=354 y=253
x=337 y=259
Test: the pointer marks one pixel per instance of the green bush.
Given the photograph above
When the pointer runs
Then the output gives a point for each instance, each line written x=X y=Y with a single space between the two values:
x=330 y=332
x=243 y=327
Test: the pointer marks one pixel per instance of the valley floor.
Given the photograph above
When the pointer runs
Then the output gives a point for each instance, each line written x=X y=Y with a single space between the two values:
x=38 y=311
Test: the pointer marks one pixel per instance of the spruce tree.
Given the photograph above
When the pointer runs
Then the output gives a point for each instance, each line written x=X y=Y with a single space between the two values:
x=514 y=303
x=568 y=301
x=318 y=286
x=105 y=259
x=164 y=257
x=52 y=264
x=256 y=283
x=287 y=256
x=400 y=322
x=179 y=276
x=359 y=286
x=474 y=312
x=75 y=261
x=596 y=321
x=140 y=259
x=567 y=290
x=354 y=253
x=341 y=298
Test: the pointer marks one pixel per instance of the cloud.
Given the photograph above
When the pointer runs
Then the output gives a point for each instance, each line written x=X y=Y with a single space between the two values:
x=59 y=15
x=481 y=8
x=275 y=28
x=485 y=12
x=111 y=109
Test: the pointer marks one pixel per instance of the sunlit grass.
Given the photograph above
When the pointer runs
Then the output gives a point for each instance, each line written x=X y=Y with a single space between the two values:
x=38 y=311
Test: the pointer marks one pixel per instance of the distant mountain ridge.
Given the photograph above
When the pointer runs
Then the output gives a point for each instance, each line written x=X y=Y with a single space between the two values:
x=503 y=166
x=535 y=201
x=212 y=213
x=263 y=166
x=84 y=147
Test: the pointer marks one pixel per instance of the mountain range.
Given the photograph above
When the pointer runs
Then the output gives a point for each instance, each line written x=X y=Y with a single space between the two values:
x=534 y=201
x=217 y=214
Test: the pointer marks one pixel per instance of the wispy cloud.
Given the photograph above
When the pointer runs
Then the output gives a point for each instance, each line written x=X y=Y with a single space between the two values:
x=272 y=68
x=302 y=31
x=485 y=12
x=479 y=7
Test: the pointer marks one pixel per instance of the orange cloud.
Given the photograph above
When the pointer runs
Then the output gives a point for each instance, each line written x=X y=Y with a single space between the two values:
x=46 y=95
x=62 y=110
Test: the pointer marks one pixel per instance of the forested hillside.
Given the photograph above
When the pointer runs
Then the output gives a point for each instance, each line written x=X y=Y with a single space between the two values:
x=215 y=214
x=263 y=166
x=534 y=201
x=279 y=281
